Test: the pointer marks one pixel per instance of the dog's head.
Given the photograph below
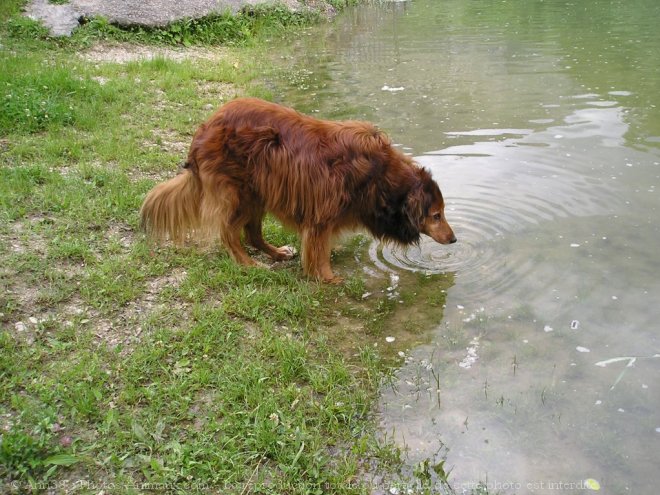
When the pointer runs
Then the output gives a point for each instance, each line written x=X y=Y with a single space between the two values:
x=426 y=208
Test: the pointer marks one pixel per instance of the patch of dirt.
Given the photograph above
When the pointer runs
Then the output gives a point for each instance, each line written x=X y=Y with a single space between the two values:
x=170 y=141
x=101 y=80
x=202 y=404
x=156 y=285
x=23 y=237
x=77 y=308
x=216 y=93
x=153 y=175
x=122 y=234
x=126 y=328
x=219 y=91
x=31 y=320
x=32 y=314
x=125 y=53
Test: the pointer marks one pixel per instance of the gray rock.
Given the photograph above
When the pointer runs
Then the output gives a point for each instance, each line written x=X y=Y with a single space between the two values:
x=61 y=20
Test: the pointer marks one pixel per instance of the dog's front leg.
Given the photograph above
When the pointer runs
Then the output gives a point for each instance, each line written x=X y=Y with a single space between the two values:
x=316 y=255
x=254 y=236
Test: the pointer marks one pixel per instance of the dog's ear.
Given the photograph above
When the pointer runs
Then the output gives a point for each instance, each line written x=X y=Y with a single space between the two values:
x=251 y=141
x=415 y=207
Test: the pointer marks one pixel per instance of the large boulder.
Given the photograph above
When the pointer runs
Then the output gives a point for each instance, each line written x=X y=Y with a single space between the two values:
x=62 y=19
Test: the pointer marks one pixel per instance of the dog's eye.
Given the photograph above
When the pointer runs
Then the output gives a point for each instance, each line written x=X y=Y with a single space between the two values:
x=437 y=217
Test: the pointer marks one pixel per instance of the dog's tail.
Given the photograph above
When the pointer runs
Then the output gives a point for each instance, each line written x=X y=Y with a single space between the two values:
x=171 y=210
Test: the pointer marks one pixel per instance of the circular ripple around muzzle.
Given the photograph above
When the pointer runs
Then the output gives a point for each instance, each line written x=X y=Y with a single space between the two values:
x=478 y=256
x=474 y=233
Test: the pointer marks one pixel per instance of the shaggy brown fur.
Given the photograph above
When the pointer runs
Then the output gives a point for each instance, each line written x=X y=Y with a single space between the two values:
x=317 y=176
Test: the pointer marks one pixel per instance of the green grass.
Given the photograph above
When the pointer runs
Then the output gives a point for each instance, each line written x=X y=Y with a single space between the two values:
x=39 y=95
x=125 y=364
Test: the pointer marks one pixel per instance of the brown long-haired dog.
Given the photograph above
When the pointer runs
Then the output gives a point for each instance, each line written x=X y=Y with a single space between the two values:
x=317 y=176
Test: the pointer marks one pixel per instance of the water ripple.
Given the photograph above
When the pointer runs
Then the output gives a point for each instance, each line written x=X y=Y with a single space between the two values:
x=497 y=190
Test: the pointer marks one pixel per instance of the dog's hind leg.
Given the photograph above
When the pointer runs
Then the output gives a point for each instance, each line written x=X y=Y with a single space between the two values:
x=254 y=237
x=223 y=215
x=231 y=238
x=316 y=255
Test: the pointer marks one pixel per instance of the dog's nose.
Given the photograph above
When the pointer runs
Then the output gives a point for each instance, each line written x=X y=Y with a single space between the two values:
x=453 y=240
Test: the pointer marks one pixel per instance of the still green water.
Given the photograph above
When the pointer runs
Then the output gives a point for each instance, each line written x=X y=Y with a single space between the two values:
x=540 y=121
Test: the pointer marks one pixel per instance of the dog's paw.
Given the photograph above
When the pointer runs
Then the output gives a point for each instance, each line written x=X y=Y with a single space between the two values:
x=285 y=253
x=334 y=280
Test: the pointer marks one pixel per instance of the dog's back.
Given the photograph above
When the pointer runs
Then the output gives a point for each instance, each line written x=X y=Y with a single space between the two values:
x=304 y=170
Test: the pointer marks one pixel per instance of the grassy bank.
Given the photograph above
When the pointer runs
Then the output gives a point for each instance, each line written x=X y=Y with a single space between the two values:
x=125 y=368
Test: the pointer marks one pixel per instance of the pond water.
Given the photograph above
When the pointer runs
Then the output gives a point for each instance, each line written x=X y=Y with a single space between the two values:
x=540 y=121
